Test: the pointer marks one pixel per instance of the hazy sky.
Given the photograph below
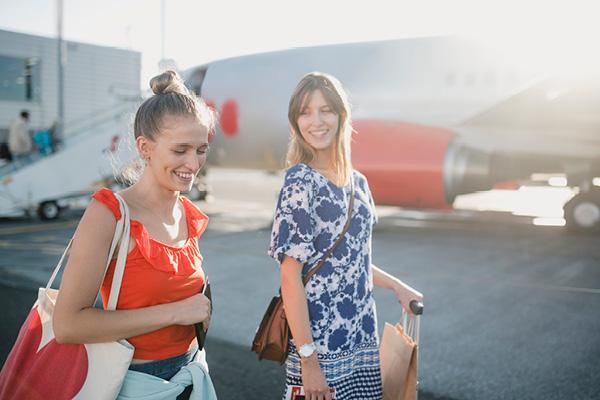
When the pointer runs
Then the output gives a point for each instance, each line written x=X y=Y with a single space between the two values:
x=201 y=31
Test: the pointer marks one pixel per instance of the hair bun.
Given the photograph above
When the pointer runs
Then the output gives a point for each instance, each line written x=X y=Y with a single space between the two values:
x=167 y=82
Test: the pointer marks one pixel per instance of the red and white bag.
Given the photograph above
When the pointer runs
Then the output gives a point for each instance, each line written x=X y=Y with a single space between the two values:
x=40 y=368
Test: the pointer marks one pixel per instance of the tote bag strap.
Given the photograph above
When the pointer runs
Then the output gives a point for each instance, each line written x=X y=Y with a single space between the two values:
x=57 y=268
x=115 y=287
x=119 y=236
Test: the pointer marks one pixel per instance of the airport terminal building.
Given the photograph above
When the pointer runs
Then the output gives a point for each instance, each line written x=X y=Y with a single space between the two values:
x=97 y=80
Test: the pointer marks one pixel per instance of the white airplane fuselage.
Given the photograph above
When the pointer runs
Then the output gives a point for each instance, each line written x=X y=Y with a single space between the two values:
x=433 y=112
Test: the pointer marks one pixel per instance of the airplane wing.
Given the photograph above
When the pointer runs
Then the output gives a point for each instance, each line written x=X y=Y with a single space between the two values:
x=555 y=116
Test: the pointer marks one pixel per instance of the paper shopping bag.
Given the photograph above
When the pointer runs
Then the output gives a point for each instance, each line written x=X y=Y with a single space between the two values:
x=398 y=354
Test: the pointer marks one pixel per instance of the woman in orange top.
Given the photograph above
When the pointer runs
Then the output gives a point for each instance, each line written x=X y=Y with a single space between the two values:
x=160 y=297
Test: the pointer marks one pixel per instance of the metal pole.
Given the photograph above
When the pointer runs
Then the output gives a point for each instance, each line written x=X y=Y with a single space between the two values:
x=61 y=72
x=162 y=30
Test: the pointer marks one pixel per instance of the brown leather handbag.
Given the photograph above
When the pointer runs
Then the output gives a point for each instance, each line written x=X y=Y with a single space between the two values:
x=272 y=336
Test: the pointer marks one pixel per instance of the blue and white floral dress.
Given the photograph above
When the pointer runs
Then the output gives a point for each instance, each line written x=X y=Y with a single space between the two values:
x=310 y=216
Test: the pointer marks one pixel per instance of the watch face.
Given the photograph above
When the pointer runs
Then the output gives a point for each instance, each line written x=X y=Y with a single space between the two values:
x=306 y=350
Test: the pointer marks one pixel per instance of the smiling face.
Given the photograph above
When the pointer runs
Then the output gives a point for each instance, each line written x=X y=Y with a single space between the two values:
x=318 y=123
x=177 y=154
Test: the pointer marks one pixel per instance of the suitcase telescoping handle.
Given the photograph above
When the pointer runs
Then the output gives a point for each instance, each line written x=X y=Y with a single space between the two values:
x=412 y=323
x=412 y=326
x=416 y=307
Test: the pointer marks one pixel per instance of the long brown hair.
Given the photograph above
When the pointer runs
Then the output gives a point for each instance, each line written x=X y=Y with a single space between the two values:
x=301 y=152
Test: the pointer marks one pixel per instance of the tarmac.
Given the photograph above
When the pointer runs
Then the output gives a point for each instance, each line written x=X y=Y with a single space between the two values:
x=511 y=309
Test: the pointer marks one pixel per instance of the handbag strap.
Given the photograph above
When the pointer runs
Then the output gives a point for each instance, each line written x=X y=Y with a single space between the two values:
x=314 y=270
x=121 y=236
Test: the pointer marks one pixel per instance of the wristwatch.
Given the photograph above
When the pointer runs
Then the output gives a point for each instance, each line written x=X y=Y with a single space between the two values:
x=307 y=350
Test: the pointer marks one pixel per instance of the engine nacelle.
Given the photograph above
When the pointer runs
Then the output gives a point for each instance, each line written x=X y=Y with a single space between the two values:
x=417 y=166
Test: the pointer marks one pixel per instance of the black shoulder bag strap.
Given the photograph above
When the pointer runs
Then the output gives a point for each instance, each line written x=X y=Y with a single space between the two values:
x=339 y=239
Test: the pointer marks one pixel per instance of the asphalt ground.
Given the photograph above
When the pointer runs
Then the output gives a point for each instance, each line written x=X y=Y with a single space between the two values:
x=511 y=310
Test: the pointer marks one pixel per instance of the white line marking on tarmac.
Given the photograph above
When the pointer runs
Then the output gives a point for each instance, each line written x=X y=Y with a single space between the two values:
x=37 y=228
x=28 y=246
x=560 y=288
x=576 y=289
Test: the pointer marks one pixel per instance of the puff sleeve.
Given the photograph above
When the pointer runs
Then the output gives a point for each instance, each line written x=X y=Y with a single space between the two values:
x=107 y=197
x=294 y=223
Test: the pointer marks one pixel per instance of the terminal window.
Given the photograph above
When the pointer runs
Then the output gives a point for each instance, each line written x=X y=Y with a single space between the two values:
x=18 y=78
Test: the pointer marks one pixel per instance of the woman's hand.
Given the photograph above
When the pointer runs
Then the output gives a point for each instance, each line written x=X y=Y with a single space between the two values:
x=313 y=380
x=192 y=310
x=406 y=295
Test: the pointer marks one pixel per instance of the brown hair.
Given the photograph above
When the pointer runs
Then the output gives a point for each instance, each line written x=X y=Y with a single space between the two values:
x=301 y=152
x=171 y=97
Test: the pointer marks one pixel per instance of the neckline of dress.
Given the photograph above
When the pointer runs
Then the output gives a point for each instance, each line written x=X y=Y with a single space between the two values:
x=329 y=181
x=187 y=224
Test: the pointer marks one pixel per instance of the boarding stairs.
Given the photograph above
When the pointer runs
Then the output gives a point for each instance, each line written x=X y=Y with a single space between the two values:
x=93 y=151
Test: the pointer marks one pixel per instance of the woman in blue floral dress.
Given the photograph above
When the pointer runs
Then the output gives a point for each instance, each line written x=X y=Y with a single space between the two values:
x=333 y=319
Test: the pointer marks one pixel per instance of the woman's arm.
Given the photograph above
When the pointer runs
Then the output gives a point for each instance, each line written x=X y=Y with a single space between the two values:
x=404 y=293
x=75 y=318
x=294 y=301
x=296 y=311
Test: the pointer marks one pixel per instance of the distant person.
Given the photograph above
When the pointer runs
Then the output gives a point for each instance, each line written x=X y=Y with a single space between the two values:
x=160 y=298
x=334 y=341
x=19 y=141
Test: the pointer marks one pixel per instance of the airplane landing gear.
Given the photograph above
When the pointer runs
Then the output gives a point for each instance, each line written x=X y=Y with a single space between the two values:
x=582 y=212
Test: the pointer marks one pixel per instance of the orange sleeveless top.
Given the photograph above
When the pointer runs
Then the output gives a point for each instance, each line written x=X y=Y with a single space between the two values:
x=156 y=273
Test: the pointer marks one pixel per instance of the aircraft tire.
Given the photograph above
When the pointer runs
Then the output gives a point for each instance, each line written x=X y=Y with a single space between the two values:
x=48 y=210
x=582 y=212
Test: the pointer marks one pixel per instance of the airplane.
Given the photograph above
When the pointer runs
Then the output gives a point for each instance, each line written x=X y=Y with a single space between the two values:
x=435 y=117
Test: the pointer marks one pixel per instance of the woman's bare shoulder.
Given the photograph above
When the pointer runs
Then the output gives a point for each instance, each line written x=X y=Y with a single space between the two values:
x=98 y=221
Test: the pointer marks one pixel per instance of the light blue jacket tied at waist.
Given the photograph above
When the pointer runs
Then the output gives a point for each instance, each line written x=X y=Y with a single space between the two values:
x=138 y=385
